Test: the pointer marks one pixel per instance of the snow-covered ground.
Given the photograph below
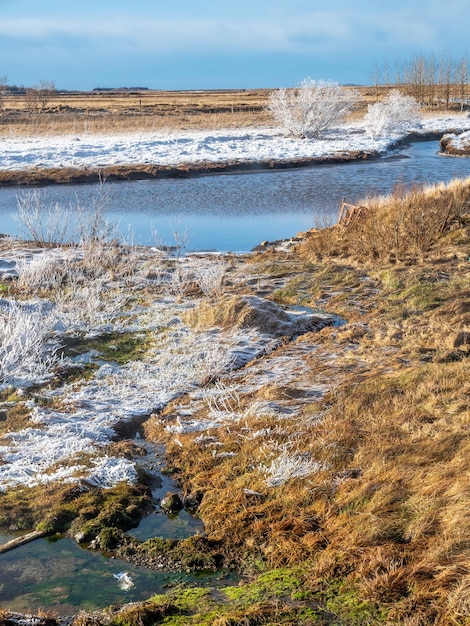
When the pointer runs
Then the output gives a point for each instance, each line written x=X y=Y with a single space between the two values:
x=460 y=142
x=69 y=443
x=216 y=146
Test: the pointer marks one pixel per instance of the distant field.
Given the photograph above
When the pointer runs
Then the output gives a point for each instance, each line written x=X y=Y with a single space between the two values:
x=146 y=110
x=135 y=110
x=114 y=111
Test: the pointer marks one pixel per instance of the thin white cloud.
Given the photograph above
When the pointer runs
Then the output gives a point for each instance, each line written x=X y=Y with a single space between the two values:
x=310 y=31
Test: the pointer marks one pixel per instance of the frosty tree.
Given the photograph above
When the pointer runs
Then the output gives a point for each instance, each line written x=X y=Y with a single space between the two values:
x=311 y=108
x=394 y=114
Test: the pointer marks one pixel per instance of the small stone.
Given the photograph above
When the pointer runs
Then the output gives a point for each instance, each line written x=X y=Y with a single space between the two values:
x=171 y=503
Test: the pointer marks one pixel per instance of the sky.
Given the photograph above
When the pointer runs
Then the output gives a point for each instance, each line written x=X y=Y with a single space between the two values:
x=215 y=44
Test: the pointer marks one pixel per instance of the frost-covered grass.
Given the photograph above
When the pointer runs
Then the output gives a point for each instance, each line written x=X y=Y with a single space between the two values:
x=287 y=466
x=83 y=303
x=28 y=342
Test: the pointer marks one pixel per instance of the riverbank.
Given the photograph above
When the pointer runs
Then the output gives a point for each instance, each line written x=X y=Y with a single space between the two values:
x=312 y=399
x=456 y=144
x=116 y=173
x=85 y=158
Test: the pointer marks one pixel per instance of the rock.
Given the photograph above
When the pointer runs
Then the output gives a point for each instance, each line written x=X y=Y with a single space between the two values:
x=462 y=340
x=3 y=416
x=171 y=503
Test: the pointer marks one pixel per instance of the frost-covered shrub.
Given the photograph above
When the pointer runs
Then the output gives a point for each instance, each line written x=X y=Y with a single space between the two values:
x=42 y=271
x=28 y=347
x=43 y=222
x=311 y=108
x=92 y=224
x=396 y=113
x=210 y=278
x=89 y=307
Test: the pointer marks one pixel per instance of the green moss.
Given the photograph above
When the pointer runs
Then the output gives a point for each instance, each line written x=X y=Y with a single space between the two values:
x=192 y=599
x=274 y=598
x=110 y=538
x=56 y=509
x=344 y=602
x=273 y=584
x=120 y=348
x=198 y=553
x=157 y=545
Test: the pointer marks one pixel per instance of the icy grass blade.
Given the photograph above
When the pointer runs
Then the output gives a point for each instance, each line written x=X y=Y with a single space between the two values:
x=288 y=466
x=28 y=345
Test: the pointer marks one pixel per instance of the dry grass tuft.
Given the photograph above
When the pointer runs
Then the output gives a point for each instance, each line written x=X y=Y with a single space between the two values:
x=397 y=227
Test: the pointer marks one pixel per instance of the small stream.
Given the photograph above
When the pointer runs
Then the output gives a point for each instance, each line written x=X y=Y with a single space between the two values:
x=235 y=212
x=64 y=577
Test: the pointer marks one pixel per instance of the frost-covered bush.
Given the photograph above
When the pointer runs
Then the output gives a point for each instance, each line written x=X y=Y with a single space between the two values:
x=28 y=347
x=210 y=277
x=42 y=222
x=89 y=307
x=92 y=224
x=311 y=108
x=42 y=271
x=396 y=113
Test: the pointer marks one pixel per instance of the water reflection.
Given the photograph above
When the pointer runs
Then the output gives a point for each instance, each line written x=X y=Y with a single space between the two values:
x=237 y=211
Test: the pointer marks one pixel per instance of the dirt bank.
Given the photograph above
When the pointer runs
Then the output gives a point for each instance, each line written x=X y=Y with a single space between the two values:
x=70 y=175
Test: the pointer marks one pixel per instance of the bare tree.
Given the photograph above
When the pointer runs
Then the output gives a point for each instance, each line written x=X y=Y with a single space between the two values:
x=462 y=75
x=38 y=97
x=3 y=84
x=445 y=78
x=430 y=70
x=430 y=80
x=386 y=73
x=376 y=75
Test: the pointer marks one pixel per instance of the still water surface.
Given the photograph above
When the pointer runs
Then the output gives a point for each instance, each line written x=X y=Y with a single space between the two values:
x=235 y=212
x=64 y=578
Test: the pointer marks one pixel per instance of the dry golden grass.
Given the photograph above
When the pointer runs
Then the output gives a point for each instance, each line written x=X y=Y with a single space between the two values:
x=389 y=513
x=397 y=227
x=98 y=112
x=147 y=110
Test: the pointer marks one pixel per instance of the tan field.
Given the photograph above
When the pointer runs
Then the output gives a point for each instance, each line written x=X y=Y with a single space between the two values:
x=145 y=110
x=135 y=110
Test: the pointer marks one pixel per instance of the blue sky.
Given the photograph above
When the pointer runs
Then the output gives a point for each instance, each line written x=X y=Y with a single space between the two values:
x=215 y=44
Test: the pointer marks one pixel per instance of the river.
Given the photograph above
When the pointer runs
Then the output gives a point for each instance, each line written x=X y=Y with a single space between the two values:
x=235 y=212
